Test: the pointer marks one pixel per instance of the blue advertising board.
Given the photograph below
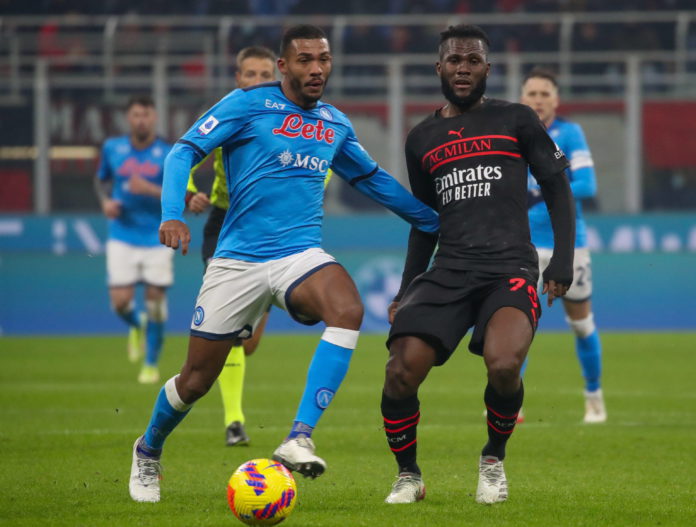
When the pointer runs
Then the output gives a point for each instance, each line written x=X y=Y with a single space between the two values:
x=52 y=273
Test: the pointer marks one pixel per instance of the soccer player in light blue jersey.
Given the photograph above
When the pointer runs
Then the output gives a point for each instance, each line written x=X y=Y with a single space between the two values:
x=279 y=140
x=540 y=92
x=129 y=185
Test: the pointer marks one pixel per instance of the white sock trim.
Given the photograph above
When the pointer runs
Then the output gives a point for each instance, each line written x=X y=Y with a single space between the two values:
x=128 y=309
x=157 y=310
x=583 y=327
x=173 y=396
x=346 y=338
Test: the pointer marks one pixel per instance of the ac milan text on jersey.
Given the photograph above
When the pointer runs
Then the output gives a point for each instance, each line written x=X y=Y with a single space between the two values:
x=472 y=168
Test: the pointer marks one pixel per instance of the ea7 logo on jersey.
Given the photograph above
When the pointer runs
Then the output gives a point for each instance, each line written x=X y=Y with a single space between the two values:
x=294 y=126
x=308 y=162
x=274 y=105
x=208 y=126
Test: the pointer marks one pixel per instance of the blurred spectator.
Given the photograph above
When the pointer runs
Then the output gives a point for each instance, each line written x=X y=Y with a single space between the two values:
x=543 y=37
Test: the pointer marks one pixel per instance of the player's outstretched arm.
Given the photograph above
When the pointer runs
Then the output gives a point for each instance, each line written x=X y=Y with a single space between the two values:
x=559 y=274
x=387 y=191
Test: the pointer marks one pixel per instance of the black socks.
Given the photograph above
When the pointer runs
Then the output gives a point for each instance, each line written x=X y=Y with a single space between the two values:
x=401 y=417
x=502 y=417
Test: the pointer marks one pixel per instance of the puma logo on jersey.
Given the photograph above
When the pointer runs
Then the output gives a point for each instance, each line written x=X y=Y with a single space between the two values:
x=457 y=133
x=294 y=126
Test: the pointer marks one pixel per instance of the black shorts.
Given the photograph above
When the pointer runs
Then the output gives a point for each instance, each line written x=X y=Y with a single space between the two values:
x=211 y=232
x=442 y=304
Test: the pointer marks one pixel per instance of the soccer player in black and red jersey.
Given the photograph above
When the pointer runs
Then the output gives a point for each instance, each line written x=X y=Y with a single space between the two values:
x=469 y=160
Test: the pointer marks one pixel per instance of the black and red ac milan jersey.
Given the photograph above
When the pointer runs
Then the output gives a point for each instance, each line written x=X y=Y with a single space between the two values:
x=472 y=169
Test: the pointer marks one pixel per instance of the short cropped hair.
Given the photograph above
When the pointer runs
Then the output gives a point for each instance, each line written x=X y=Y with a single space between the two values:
x=141 y=100
x=464 y=31
x=304 y=31
x=541 y=73
x=257 y=52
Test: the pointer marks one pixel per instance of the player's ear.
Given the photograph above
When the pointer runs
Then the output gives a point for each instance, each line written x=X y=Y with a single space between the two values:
x=438 y=68
x=282 y=65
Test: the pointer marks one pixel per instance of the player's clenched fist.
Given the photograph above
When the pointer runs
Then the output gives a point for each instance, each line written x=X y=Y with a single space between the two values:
x=172 y=232
x=199 y=202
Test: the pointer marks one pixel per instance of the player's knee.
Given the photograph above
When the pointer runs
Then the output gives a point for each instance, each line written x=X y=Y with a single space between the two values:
x=157 y=309
x=348 y=315
x=399 y=381
x=504 y=371
x=122 y=306
x=583 y=327
x=193 y=388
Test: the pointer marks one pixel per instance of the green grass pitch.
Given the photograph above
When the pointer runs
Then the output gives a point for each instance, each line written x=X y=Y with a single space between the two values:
x=70 y=409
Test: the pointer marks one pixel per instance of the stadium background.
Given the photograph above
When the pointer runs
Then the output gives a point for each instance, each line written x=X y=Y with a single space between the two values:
x=70 y=405
x=627 y=73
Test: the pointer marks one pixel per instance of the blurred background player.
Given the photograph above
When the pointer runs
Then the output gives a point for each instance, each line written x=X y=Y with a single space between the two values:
x=540 y=92
x=129 y=186
x=278 y=141
x=255 y=65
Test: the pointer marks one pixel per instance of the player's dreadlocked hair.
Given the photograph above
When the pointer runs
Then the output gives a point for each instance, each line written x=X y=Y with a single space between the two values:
x=541 y=73
x=304 y=31
x=464 y=31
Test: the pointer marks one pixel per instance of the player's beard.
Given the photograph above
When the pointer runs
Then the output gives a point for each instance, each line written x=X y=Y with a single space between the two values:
x=296 y=85
x=142 y=136
x=463 y=103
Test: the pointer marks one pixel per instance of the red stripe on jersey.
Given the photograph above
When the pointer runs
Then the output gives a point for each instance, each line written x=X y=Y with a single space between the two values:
x=491 y=153
x=509 y=138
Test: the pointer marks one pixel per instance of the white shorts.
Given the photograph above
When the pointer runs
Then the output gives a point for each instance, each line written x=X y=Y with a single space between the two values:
x=581 y=289
x=235 y=294
x=128 y=265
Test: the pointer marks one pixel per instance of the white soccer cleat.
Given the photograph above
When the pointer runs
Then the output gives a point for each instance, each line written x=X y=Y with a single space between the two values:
x=408 y=488
x=146 y=472
x=595 y=411
x=298 y=454
x=492 y=485
x=136 y=339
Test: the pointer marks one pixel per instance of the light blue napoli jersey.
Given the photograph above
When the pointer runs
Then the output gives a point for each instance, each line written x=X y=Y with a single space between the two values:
x=276 y=155
x=139 y=220
x=571 y=140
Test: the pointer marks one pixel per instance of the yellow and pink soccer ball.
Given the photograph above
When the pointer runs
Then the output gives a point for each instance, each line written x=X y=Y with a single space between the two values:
x=262 y=492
